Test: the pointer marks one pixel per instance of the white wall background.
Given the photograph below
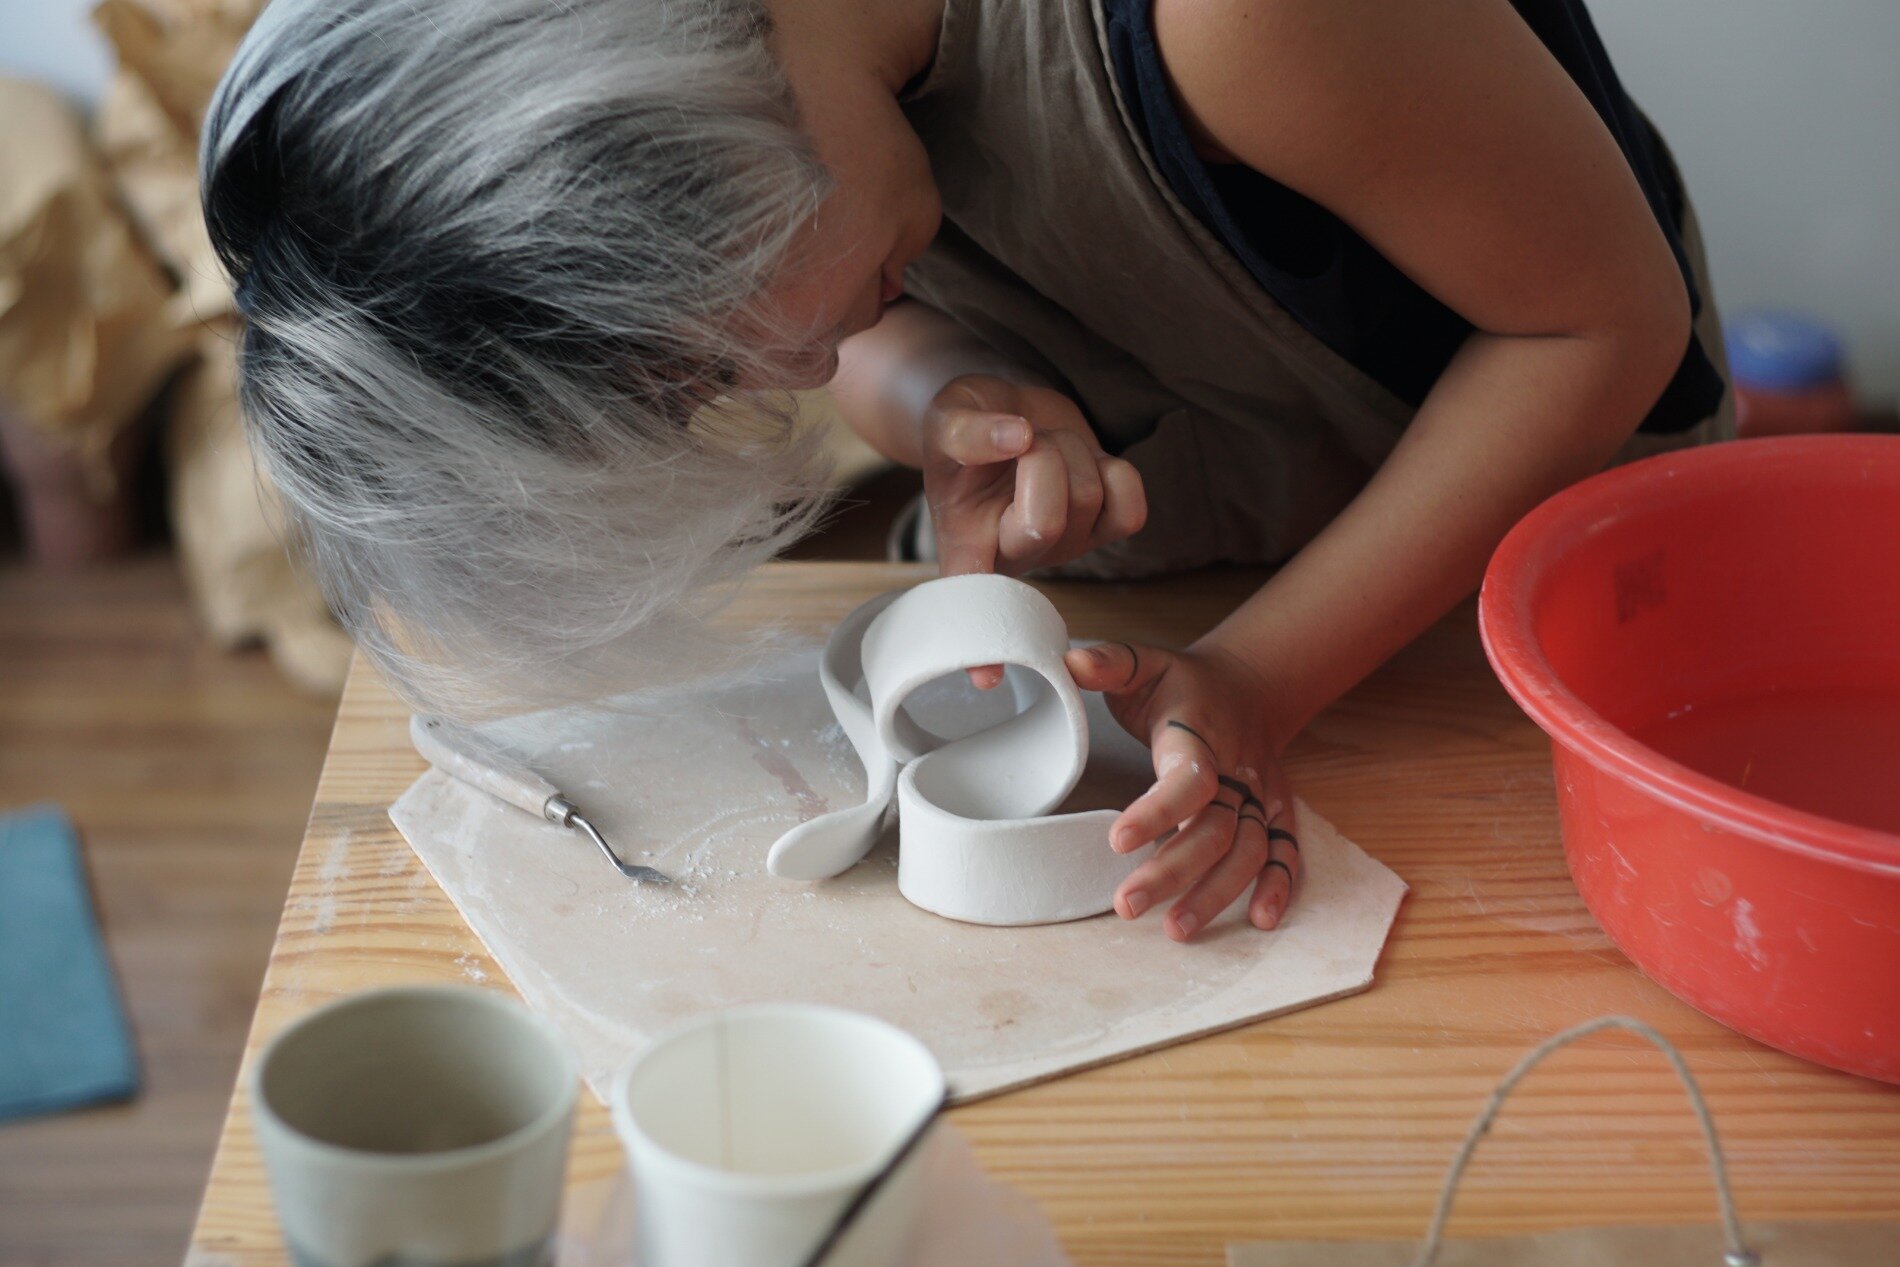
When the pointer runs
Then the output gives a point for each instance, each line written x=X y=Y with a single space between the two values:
x=53 y=40
x=1785 y=116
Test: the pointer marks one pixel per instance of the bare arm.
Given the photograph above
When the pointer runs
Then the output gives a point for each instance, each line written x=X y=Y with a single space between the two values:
x=889 y=375
x=1014 y=475
x=1447 y=136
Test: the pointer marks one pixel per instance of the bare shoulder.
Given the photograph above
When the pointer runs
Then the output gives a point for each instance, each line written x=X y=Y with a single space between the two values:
x=1292 y=80
x=1230 y=40
x=1442 y=131
x=1258 y=58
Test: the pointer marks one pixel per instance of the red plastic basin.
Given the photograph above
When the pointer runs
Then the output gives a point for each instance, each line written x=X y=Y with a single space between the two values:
x=1712 y=641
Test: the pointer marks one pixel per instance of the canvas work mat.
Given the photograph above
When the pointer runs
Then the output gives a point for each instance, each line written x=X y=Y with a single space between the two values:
x=700 y=784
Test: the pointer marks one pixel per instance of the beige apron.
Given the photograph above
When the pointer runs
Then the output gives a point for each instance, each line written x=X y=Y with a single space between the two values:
x=1064 y=248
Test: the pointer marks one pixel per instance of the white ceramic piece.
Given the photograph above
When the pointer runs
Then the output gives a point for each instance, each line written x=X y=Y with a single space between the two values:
x=749 y=1130
x=829 y=844
x=976 y=837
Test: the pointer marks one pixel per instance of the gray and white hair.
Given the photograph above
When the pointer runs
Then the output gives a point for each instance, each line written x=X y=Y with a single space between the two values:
x=501 y=263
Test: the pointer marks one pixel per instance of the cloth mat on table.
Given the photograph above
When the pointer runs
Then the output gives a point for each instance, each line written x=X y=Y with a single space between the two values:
x=64 y=1041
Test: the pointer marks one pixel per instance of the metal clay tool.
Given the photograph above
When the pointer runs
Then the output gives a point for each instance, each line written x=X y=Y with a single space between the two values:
x=465 y=755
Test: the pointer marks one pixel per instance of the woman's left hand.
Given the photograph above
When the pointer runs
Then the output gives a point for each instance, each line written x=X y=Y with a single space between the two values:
x=1206 y=717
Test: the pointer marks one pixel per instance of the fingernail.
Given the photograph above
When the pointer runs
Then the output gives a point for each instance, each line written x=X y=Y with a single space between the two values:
x=1012 y=433
x=1137 y=903
x=1188 y=922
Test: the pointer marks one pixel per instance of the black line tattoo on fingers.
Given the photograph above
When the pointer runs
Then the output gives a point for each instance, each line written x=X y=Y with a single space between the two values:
x=1282 y=835
x=1246 y=793
x=1134 y=665
x=1181 y=725
x=1275 y=862
x=1220 y=804
x=1245 y=817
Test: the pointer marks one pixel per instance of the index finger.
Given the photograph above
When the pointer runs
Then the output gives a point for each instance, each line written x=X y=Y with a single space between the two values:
x=1186 y=784
x=966 y=539
x=971 y=437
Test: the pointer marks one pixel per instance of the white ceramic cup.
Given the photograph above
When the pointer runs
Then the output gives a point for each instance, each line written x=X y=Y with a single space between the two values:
x=749 y=1131
x=415 y=1126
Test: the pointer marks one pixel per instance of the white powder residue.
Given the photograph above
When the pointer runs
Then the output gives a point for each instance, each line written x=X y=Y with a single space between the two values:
x=336 y=860
x=1748 y=934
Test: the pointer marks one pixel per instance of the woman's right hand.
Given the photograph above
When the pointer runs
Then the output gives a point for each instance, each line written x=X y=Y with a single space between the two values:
x=1016 y=480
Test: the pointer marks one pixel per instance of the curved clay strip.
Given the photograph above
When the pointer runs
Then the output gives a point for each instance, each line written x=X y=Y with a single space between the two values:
x=976 y=840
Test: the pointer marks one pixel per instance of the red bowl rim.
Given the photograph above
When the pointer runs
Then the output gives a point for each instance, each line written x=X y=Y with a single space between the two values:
x=1504 y=625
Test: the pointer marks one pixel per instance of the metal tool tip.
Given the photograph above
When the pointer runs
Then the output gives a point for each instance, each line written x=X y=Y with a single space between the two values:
x=632 y=870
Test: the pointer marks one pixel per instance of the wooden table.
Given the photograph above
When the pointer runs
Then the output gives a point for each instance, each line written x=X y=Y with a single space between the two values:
x=1331 y=1123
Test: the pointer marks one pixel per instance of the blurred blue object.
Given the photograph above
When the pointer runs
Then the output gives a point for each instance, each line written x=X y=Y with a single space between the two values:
x=64 y=1041
x=1782 y=351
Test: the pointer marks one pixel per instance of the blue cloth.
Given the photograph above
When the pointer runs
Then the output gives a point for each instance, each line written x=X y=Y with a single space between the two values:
x=64 y=1040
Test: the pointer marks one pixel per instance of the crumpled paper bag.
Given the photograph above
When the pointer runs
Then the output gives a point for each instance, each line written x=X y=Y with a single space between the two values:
x=171 y=53
x=230 y=533
x=178 y=48
x=84 y=342
x=154 y=167
x=225 y=520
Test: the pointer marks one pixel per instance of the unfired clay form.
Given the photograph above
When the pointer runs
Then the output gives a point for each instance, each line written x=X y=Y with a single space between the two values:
x=976 y=839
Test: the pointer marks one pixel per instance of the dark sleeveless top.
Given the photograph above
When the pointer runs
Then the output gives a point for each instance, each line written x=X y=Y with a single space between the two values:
x=1067 y=250
x=1332 y=280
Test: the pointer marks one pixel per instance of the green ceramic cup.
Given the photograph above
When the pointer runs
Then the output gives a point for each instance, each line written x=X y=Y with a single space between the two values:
x=420 y=1126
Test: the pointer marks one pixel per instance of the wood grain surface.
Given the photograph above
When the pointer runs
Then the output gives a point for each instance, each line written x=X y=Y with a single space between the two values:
x=1331 y=1123
x=187 y=770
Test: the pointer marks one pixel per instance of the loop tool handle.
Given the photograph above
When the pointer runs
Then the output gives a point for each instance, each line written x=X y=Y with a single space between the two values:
x=1737 y=1253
